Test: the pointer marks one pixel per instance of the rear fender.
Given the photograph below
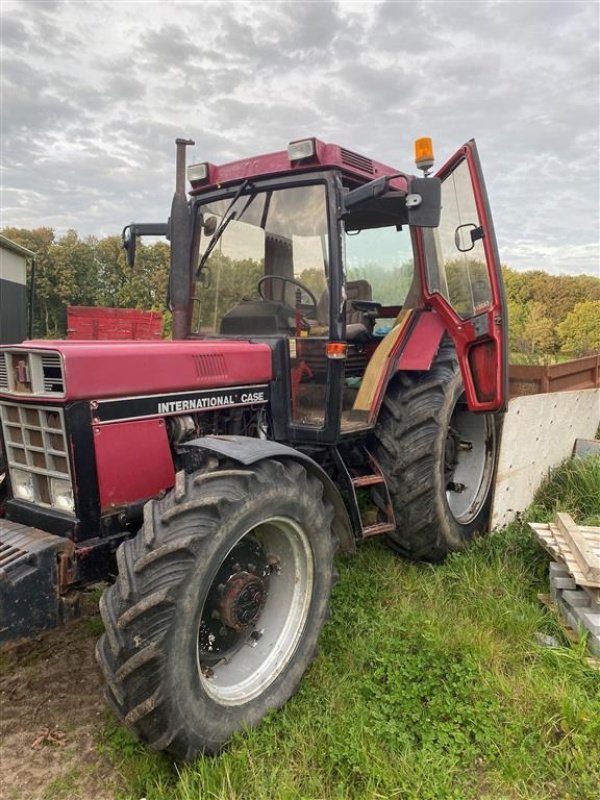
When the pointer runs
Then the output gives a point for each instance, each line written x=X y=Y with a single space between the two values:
x=247 y=450
x=423 y=343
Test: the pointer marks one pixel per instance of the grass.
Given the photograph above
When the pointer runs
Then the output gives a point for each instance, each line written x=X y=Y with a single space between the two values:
x=429 y=685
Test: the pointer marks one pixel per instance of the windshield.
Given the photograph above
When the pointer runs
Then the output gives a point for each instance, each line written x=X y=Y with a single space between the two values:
x=281 y=233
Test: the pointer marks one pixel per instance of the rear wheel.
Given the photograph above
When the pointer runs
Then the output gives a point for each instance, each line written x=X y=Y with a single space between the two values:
x=218 y=605
x=439 y=459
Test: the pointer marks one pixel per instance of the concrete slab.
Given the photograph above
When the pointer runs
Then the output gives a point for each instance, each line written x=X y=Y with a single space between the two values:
x=563 y=583
x=539 y=432
x=586 y=447
x=577 y=599
x=558 y=569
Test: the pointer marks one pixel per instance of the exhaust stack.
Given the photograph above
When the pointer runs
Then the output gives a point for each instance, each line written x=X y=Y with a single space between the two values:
x=180 y=225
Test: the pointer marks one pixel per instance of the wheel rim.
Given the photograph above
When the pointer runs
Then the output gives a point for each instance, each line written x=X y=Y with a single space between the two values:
x=468 y=462
x=255 y=611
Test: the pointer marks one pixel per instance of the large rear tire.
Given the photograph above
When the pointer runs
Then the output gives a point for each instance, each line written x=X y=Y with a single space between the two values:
x=218 y=605
x=439 y=460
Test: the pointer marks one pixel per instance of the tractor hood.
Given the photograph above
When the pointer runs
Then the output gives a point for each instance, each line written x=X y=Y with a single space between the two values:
x=91 y=370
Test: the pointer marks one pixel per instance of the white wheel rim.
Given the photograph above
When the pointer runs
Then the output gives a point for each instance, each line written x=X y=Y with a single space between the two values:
x=475 y=467
x=251 y=669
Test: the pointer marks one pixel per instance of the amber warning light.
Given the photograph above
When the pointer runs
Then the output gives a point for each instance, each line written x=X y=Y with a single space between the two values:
x=336 y=349
x=424 y=154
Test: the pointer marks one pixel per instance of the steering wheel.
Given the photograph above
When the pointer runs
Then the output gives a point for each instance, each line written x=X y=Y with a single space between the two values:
x=307 y=309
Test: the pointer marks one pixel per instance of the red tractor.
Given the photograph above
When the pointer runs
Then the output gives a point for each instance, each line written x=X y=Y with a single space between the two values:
x=338 y=372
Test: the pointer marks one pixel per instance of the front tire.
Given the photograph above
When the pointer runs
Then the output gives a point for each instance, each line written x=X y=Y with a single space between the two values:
x=439 y=459
x=218 y=605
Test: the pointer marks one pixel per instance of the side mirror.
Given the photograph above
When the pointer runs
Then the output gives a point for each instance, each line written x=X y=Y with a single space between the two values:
x=129 y=242
x=424 y=203
x=209 y=226
x=466 y=235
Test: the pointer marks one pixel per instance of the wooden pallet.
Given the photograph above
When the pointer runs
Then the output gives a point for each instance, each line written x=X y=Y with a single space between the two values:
x=577 y=546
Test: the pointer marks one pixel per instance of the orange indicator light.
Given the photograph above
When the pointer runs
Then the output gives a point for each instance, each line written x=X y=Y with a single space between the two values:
x=336 y=349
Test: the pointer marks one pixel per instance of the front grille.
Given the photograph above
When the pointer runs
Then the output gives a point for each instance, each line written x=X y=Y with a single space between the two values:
x=356 y=160
x=36 y=444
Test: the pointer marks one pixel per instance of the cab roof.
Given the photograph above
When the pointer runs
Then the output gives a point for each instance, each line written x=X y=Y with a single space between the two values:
x=358 y=168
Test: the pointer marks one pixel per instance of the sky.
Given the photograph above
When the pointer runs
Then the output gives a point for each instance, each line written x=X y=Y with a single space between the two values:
x=93 y=95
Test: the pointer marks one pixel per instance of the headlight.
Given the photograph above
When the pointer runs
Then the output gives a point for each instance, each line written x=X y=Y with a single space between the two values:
x=22 y=484
x=62 y=495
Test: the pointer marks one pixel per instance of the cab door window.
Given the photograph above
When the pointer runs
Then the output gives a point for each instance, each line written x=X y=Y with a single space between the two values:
x=456 y=261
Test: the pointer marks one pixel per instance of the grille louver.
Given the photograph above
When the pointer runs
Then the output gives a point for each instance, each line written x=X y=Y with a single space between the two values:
x=52 y=372
x=211 y=365
x=356 y=160
x=3 y=374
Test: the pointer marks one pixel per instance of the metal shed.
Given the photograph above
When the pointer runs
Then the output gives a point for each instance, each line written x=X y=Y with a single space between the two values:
x=13 y=291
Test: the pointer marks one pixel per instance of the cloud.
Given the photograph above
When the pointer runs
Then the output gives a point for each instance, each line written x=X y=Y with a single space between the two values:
x=93 y=95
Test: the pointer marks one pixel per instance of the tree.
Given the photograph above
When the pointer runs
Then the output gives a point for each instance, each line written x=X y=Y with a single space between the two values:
x=539 y=331
x=579 y=332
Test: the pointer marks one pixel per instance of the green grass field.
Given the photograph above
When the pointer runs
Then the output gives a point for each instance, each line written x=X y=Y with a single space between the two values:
x=429 y=685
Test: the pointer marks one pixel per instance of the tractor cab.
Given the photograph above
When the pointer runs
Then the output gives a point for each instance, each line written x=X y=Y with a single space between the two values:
x=333 y=259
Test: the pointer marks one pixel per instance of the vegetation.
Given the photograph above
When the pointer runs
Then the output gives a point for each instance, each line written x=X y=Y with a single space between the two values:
x=550 y=316
x=91 y=271
x=430 y=685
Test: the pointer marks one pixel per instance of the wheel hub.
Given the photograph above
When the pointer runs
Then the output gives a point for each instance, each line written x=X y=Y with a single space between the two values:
x=243 y=600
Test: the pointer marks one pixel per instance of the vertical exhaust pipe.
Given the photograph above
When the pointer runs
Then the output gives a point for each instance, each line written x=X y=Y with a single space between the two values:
x=180 y=228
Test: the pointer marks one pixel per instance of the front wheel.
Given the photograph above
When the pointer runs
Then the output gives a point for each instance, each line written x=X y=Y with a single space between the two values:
x=218 y=605
x=439 y=459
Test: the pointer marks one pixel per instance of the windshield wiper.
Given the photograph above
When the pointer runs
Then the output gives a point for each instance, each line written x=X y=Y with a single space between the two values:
x=225 y=220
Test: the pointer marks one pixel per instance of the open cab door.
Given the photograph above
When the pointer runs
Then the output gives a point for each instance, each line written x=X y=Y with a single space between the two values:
x=463 y=281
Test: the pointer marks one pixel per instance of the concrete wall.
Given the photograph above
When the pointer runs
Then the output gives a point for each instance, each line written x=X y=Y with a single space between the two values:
x=539 y=432
x=13 y=296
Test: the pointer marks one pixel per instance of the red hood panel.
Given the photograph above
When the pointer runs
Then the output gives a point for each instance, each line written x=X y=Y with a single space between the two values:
x=96 y=369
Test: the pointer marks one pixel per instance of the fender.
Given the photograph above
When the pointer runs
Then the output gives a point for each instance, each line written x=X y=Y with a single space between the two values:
x=411 y=345
x=423 y=343
x=247 y=450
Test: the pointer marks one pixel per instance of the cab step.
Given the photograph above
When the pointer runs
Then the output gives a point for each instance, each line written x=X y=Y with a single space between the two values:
x=372 y=514
x=378 y=529
x=367 y=480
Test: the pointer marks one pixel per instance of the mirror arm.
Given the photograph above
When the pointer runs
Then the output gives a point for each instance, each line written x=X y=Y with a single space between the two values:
x=147 y=229
x=133 y=230
x=368 y=191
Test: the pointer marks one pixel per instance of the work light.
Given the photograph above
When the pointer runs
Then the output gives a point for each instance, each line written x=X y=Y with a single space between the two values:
x=304 y=148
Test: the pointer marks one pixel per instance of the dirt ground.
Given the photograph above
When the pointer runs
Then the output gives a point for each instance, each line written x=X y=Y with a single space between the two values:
x=51 y=712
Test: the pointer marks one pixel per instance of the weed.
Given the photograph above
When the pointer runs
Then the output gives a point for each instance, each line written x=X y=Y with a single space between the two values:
x=573 y=486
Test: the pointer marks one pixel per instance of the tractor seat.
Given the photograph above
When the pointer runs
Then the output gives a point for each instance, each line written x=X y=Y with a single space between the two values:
x=357 y=333
x=361 y=310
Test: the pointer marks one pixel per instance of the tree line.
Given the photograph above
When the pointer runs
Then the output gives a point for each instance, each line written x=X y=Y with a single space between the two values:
x=550 y=316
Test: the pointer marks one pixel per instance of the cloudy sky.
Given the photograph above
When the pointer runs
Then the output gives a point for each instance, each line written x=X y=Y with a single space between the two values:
x=94 y=94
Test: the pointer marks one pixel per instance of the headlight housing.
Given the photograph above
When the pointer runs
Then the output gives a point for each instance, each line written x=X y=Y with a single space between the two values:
x=22 y=485
x=62 y=495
